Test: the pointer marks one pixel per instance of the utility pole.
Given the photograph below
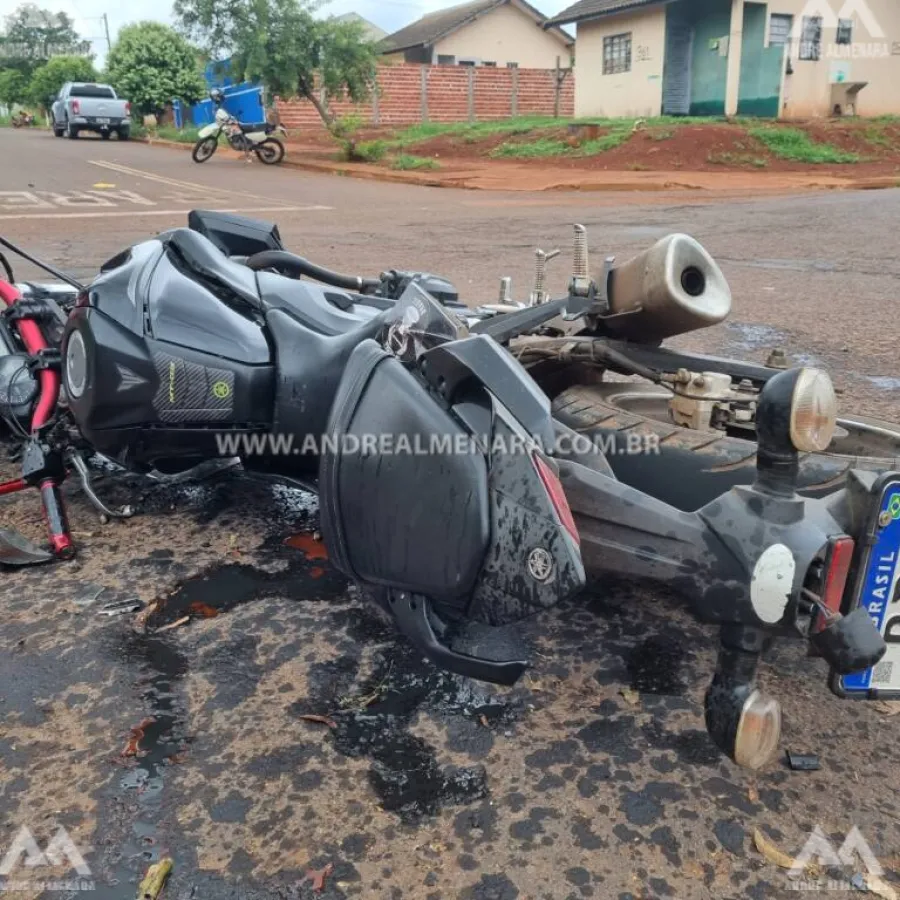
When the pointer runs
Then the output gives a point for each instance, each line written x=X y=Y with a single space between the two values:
x=106 y=29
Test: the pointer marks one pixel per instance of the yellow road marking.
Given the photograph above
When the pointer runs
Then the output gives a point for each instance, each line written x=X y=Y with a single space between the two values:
x=174 y=182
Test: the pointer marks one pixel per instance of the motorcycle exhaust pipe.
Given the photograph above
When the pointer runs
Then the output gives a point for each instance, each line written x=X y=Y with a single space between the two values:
x=672 y=288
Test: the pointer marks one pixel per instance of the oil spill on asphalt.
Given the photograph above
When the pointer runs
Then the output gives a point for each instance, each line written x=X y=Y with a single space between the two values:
x=304 y=576
x=372 y=720
x=156 y=742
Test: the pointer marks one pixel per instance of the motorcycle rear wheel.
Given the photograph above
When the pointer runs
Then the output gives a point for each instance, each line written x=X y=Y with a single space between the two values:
x=270 y=152
x=694 y=467
x=204 y=149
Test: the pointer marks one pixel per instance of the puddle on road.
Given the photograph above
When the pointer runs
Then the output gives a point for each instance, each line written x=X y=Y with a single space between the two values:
x=755 y=337
x=885 y=383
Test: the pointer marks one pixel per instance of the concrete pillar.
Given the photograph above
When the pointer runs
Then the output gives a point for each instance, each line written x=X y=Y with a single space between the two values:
x=735 y=45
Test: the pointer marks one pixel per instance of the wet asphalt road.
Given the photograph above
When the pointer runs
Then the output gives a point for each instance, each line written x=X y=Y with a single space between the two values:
x=592 y=778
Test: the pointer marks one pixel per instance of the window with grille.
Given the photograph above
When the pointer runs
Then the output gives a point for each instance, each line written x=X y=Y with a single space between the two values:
x=844 y=31
x=617 y=54
x=512 y=65
x=446 y=60
x=811 y=38
x=490 y=65
x=780 y=29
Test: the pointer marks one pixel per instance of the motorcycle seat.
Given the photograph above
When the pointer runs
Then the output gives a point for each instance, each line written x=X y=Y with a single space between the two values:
x=247 y=128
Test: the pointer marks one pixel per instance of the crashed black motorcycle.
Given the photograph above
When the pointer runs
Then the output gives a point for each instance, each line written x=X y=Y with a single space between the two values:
x=450 y=487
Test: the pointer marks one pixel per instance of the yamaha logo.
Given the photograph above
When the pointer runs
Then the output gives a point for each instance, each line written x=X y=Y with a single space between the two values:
x=540 y=564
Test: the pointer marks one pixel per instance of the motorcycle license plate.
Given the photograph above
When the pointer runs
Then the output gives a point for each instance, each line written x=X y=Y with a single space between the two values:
x=103 y=121
x=878 y=591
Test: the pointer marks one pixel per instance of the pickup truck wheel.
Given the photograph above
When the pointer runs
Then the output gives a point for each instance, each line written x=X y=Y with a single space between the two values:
x=71 y=131
x=58 y=132
x=105 y=135
x=124 y=134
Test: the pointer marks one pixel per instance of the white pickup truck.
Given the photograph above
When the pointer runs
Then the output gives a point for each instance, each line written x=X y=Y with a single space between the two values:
x=90 y=107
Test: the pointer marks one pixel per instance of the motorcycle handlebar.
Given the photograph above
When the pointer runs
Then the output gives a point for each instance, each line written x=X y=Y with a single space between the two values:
x=294 y=266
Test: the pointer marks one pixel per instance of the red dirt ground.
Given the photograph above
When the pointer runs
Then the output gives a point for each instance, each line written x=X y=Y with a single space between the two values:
x=687 y=148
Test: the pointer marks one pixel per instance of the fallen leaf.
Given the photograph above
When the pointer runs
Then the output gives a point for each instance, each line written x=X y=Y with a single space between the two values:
x=307 y=543
x=320 y=720
x=132 y=746
x=771 y=852
x=887 y=707
x=176 y=624
x=632 y=698
x=879 y=887
x=154 y=880
x=318 y=876
x=753 y=794
x=483 y=719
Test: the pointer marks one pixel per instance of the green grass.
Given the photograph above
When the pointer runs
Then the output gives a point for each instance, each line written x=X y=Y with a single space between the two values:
x=532 y=150
x=407 y=163
x=878 y=137
x=737 y=159
x=181 y=135
x=470 y=132
x=367 y=151
x=796 y=145
x=549 y=147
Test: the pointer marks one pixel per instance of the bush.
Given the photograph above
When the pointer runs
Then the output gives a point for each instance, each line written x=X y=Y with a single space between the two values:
x=407 y=163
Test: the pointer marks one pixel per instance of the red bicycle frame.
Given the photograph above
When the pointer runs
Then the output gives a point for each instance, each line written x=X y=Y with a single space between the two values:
x=51 y=495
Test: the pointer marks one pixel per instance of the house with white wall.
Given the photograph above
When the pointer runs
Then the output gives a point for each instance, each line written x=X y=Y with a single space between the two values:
x=782 y=58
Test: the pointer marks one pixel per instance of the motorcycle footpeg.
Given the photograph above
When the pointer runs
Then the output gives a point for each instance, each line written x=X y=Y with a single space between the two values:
x=84 y=476
x=850 y=643
x=411 y=613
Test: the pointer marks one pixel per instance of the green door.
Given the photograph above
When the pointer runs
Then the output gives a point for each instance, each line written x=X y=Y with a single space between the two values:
x=761 y=67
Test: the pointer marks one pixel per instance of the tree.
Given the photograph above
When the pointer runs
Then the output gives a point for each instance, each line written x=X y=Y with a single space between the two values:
x=34 y=35
x=13 y=87
x=282 y=44
x=50 y=77
x=151 y=64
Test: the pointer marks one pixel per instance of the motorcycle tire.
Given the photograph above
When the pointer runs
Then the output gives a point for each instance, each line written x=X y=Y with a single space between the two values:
x=270 y=152
x=693 y=468
x=204 y=149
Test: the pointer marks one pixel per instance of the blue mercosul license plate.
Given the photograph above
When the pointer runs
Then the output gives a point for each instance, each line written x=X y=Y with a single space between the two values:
x=879 y=593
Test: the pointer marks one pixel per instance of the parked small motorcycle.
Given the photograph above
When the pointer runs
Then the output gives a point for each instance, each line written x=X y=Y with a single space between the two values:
x=248 y=139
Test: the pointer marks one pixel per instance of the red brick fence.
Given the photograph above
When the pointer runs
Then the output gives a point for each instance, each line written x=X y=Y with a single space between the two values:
x=409 y=94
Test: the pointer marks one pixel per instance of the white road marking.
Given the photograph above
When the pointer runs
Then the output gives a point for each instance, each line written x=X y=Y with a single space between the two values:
x=174 y=182
x=134 y=213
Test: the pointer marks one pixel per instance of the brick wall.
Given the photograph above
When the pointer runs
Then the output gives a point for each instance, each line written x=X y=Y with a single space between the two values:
x=408 y=94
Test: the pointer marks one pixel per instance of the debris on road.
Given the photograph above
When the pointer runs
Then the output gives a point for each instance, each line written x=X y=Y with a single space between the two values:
x=132 y=747
x=317 y=877
x=771 y=852
x=140 y=620
x=803 y=762
x=176 y=624
x=631 y=697
x=320 y=720
x=121 y=607
x=154 y=880
x=309 y=544
x=887 y=707
x=873 y=884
